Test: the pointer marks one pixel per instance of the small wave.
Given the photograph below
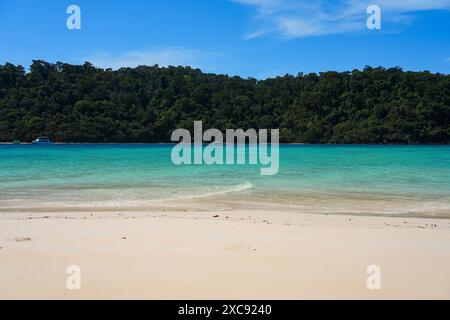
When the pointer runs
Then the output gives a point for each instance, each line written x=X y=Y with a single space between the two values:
x=223 y=191
x=124 y=202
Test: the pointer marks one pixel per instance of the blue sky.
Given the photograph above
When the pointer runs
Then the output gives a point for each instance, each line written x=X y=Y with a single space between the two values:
x=257 y=38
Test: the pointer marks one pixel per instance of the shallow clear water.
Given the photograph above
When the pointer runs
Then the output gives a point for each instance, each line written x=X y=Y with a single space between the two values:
x=364 y=179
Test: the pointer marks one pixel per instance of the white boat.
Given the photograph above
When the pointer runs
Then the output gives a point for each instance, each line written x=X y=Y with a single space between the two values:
x=43 y=140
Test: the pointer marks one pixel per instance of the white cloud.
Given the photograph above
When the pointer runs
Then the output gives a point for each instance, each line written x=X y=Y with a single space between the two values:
x=149 y=57
x=302 y=18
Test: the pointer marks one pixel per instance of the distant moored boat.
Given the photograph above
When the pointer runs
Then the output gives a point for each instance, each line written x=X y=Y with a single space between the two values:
x=43 y=140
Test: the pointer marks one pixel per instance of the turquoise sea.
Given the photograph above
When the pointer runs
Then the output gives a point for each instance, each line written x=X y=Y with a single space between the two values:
x=409 y=180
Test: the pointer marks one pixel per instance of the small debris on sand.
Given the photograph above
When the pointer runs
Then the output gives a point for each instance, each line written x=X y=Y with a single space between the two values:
x=216 y=216
x=124 y=238
x=22 y=239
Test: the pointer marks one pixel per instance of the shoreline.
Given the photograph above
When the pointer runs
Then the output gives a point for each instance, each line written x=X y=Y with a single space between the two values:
x=26 y=213
x=236 y=201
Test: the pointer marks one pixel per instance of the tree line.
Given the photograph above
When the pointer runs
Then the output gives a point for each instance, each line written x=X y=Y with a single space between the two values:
x=82 y=103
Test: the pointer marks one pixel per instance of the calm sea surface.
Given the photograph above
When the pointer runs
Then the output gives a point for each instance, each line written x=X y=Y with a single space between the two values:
x=335 y=179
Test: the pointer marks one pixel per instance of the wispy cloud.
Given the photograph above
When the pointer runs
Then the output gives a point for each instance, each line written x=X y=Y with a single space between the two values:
x=303 y=18
x=151 y=56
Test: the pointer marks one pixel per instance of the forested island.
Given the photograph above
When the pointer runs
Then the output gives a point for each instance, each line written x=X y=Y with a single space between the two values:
x=85 y=104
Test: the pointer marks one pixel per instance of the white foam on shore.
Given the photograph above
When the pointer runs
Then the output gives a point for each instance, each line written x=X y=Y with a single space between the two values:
x=213 y=195
x=226 y=190
x=123 y=201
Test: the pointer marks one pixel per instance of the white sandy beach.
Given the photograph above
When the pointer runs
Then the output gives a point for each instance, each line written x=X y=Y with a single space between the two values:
x=238 y=254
